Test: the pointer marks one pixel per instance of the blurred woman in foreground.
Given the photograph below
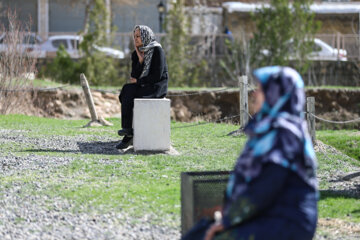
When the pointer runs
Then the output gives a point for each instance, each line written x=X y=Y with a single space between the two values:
x=272 y=193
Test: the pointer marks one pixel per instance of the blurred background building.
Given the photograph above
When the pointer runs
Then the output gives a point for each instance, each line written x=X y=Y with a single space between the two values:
x=210 y=21
x=207 y=16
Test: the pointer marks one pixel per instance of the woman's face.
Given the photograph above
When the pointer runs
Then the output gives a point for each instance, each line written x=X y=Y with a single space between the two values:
x=259 y=98
x=137 y=38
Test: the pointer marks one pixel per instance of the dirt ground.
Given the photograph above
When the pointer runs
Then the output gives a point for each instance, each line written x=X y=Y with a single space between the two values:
x=186 y=106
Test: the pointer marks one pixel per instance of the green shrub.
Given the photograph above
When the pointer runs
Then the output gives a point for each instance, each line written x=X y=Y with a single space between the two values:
x=63 y=68
x=98 y=68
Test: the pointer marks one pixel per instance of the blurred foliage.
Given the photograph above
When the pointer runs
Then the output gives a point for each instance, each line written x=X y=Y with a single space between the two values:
x=98 y=68
x=176 y=43
x=95 y=30
x=184 y=70
x=62 y=68
x=284 y=30
x=236 y=60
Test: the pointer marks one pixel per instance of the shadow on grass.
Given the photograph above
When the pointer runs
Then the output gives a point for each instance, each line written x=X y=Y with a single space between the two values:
x=356 y=211
x=346 y=199
x=107 y=148
x=103 y=148
x=347 y=194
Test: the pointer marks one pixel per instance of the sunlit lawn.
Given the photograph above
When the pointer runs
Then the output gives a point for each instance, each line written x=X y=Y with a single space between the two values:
x=149 y=184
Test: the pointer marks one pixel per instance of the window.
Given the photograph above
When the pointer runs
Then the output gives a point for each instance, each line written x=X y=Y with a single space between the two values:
x=58 y=42
x=29 y=39
x=74 y=44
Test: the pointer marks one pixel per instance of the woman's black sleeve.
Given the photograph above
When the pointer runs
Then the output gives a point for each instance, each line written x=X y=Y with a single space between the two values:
x=136 y=67
x=156 y=68
x=260 y=195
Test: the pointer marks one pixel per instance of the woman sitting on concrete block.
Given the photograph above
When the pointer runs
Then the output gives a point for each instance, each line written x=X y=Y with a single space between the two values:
x=272 y=193
x=149 y=78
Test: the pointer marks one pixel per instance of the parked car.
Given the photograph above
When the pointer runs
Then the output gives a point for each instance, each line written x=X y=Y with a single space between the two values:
x=321 y=52
x=27 y=43
x=111 y=52
x=71 y=44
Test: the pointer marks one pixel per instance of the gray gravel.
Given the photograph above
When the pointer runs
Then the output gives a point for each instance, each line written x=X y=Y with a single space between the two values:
x=333 y=179
x=25 y=215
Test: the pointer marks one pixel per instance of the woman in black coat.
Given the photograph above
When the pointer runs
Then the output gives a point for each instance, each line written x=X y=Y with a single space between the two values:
x=149 y=78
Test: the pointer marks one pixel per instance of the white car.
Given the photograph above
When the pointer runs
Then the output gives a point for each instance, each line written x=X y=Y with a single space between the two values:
x=71 y=44
x=27 y=44
x=111 y=52
x=321 y=52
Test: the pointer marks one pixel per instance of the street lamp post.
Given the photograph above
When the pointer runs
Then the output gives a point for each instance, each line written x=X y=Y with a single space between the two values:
x=161 y=10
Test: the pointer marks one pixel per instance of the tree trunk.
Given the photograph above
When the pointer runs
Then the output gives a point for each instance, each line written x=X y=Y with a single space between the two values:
x=108 y=20
x=87 y=16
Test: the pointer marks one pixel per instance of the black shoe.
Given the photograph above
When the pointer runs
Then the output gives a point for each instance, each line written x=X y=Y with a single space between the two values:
x=126 y=132
x=127 y=141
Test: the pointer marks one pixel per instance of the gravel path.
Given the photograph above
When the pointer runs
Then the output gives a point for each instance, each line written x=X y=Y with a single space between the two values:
x=334 y=177
x=25 y=215
x=335 y=229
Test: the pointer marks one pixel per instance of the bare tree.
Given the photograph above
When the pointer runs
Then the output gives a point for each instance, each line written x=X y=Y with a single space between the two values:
x=237 y=60
x=16 y=66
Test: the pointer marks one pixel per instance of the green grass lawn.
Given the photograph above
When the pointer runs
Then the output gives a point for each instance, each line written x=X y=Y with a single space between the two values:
x=42 y=83
x=148 y=184
x=333 y=205
x=346 y=141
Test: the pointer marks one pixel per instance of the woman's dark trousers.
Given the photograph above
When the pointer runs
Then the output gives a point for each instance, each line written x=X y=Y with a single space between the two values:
x=128 y=93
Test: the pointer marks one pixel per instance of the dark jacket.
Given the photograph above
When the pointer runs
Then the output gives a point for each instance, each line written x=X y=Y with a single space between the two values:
x=156 y=82
x=278 y=204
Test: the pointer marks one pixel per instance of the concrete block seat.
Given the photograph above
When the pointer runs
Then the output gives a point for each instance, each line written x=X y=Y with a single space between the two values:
x=151 y=124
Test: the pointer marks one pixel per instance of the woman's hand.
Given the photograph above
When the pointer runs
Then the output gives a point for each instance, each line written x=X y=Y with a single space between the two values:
x=133 y=80
x=140 y=55
x=210 y=233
